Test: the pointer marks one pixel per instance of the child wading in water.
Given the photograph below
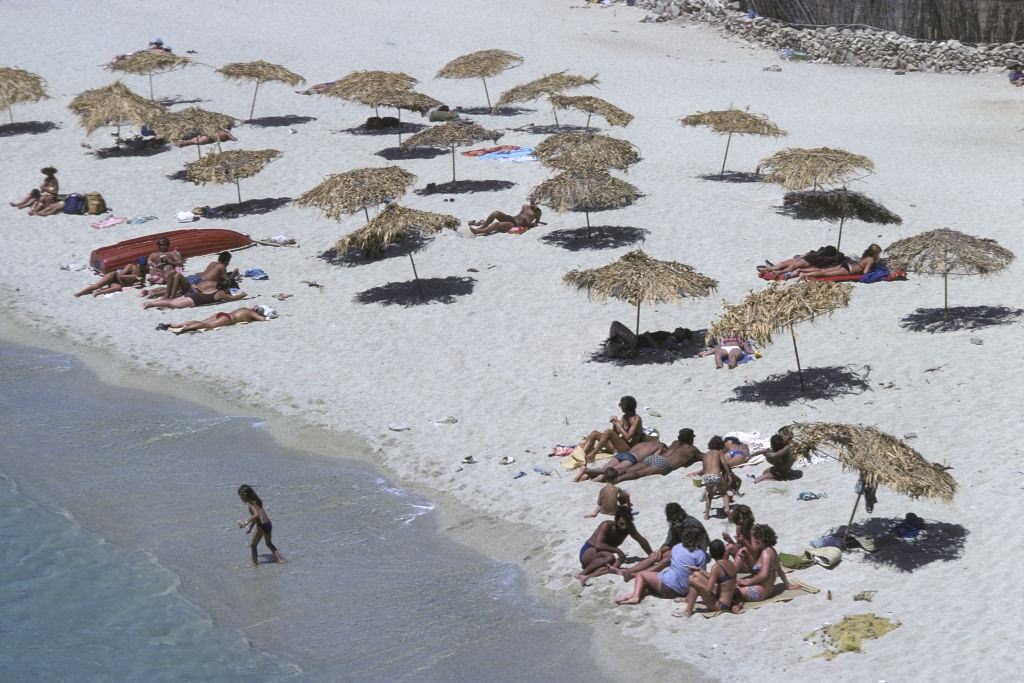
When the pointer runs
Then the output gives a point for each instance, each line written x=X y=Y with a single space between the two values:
x=258 y=519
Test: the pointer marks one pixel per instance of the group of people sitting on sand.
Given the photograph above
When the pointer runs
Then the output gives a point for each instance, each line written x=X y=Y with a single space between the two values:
x=164 y=268
x=823 y=262
x=44 y=200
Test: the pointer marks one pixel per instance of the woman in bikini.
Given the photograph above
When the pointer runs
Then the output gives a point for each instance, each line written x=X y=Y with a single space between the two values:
x=728 y=350
x=740 y=548
x=218 y=319
x=528 y=217
x=717 y=588
x=129 y=276
x=868 y=260
x=761 y=585
x=46 y=194
x=625 y=432
x=203 y=294
x=258 y=519
x=601 y=553
x=822 y=257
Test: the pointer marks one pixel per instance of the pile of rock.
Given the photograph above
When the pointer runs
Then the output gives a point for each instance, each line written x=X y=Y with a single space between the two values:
x=858 y=47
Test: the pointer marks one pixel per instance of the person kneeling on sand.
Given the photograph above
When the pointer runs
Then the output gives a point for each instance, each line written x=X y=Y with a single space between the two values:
x=717 y=588
x=257 y=313
x=682 y=453
x=203 y=294
x=678 y=522
x=673 y=582
x=610 y=497
x=528 y=217
x=601 y=553
x=716 y=475
x=780 y=456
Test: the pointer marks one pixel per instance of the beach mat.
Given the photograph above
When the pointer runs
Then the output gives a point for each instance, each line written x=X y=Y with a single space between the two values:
x=796 y=589
x=891 y=277
x=577 y=459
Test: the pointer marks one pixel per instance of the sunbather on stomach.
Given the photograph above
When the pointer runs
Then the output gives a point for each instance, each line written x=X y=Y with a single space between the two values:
x=866 y=263
x=219 y=319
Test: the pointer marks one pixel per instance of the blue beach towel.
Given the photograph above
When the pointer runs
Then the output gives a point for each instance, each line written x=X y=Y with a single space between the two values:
x=521 y=154
x=880 y=273
x=256 y=274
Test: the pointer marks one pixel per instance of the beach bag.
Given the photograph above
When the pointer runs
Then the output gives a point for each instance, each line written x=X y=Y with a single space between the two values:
x=94 y=203
x=74 y=203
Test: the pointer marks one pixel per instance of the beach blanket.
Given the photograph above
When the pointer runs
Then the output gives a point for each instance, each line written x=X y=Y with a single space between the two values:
x=577 y=459
x=796 y=589
x=868 y=278
x=109 y=222
x=481 y=151
x=518 y=155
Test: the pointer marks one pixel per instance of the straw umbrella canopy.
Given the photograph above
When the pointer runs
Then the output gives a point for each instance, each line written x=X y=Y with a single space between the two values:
x=797 y=168
x=590 y=105
x=113 y=105
x=371 y=88
x=948 y=252
x=148 y=63
x=191 y=122
x=452 y=134
x=409 y=100
x=879 y=458
x=568 y=151
x=395 y=224
x=584 y=190
x=481 y=64
x=731 y=122
x=637 y=278
x=230 y=166
x=18 y=86
x=260 y=72
x=545 y=86
x=346 y=193
x=780 y=307
x=839 y=205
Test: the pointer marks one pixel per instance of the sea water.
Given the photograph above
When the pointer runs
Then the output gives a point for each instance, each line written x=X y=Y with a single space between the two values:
x=121 y=560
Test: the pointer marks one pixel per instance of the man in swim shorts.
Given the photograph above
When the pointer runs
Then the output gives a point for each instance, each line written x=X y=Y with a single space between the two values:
x=682 y=453
x=528 y=217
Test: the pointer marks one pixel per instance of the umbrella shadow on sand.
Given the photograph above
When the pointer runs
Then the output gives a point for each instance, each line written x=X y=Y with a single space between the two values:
x=666 y=354
x=784 y=388
x=397 y=154
x=357 y=257
x=934 y=320
x=169 y=101
x=147 y=148
x=280 y=121
x=599 y=237
x=27 y=128
x=401 y=129
x=465 y=187
x=486 y=111
x=442 y=290
x=551 y=129
x=250 y=207
x=733 y=177
x=936 y=542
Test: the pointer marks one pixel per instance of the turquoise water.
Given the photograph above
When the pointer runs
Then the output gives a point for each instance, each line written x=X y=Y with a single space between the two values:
x=120 y=559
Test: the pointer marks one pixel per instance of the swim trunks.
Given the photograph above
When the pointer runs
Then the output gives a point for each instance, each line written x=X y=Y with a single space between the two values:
x=660 y=463
x=626 y=456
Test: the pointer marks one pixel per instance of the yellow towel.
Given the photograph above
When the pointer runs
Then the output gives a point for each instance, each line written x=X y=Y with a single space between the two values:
x=577 y=458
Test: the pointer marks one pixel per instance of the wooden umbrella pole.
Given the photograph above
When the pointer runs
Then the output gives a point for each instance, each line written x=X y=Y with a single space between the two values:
x=728 y=141
x=199 y=151
x=416 y=277
x=486 y=94
x=367 y=212
x=151 y=98
x=238 y=188
x=453 y=163
x=842 y=219
x=588 y=120
x=945 y=294
x=587 y=214
x=855 y=504
x=638 y=318
x=796 y=352
x=255 y=92
x=10 y=112
x=555 y=112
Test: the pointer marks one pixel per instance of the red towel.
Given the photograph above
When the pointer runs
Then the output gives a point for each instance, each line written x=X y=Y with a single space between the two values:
x=894 y=275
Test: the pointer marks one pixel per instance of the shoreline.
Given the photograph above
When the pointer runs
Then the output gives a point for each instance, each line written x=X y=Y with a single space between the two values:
x=455 y=520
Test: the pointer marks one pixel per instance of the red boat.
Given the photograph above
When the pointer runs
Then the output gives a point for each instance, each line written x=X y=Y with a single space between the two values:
x=194 y=242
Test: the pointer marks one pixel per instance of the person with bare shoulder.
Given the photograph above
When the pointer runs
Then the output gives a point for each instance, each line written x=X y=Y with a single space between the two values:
x=257 y=313
x=528 y=217
x=780 y=456
x=716 y=475
x=601 y=553
x=682 y=453
x=610 y=497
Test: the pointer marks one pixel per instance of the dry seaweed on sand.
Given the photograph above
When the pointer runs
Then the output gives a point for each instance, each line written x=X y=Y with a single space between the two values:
x=590 y=105
x=948 y=252
x=343 y=194
x=18 y=86
x=637 y=278
x=796 y=168
x=259 y=72
x=569 y=151
x=551 y=84
x=848 y=634
x=450 y=135
x=113 y=105
x=481 y=64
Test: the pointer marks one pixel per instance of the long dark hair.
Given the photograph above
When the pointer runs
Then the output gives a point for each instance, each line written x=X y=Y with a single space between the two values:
x=246 y=493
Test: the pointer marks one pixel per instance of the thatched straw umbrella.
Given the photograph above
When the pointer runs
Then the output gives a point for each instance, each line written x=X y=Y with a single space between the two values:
x=838 y=205
x=343 y=194
x=18 y=86
x=568 y=151
x=452 y=134
x=148 y=63
x=371 y=88
x=192 y=122
x=114 y=105
x=637 y=278
x=879 y=458
x=395 y=224
x=948 y=252
x=731 y=122
x=482 y=64
x=584 y=190
x=230 y=166
x=590 y=105
x=545 y=86
x=797 y=168
x=409 y=100
x=779 y=307
x=260 y=72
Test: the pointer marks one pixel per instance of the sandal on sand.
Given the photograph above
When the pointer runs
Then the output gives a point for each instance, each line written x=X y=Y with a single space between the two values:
x=506 y=461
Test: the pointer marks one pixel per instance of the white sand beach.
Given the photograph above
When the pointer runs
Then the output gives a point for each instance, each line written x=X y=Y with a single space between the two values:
x=508 y=350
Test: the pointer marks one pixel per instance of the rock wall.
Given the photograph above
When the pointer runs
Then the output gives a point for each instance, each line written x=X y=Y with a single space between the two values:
x=854 y=46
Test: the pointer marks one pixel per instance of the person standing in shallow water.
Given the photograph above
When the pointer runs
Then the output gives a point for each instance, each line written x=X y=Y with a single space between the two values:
x=258 y=519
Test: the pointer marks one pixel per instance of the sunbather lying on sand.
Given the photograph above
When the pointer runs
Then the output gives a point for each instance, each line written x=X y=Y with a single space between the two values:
x=128 y=276
x=623 y=460
x=610 y=497
x=318 y=89
x=203 y=294
x=678 y=522
x=728 y=350
x=222 y=136
x=528 y=217
x=681 y=453
x=624 y=433
x=601 y=551
x=46 y=205
x=219 y=319
x=848 y=266
x=622 y=342
x=717 y=588
x=673 y=582
x=822 y=257
x=737 y=453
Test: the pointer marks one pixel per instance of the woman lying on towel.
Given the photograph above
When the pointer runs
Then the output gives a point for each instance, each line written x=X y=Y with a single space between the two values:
x=528 y=217
x=822 y=257
x=729 y=350
x=129 y=276
x=256 y=313
x=867 y=262
x=203 y=294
